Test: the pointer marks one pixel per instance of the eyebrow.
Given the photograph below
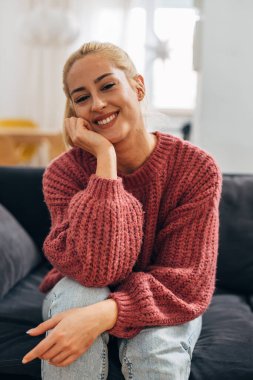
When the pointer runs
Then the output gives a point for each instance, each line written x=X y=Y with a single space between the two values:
x=78 y=89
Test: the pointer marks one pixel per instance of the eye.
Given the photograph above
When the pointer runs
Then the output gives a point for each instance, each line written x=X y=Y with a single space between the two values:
x=82 y=99
x=108 y=86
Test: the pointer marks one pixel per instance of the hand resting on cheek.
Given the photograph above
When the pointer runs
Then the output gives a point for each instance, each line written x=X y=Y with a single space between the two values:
x=81 y=135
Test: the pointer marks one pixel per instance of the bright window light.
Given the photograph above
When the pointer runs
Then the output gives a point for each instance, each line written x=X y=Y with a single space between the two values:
x=174 y=81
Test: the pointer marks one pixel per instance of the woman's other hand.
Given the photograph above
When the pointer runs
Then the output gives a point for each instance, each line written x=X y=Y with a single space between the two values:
x=72 y=332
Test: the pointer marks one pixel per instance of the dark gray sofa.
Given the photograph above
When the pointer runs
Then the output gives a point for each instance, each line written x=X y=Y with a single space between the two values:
x=225 y=348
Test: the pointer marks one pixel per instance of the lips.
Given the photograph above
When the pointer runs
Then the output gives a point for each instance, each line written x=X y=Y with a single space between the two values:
x=104 y=120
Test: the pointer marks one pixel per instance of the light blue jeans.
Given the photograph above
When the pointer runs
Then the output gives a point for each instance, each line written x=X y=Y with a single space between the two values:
x=156 y=353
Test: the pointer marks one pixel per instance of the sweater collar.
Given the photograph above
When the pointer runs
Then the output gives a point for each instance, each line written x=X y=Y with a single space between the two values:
x=154 y=165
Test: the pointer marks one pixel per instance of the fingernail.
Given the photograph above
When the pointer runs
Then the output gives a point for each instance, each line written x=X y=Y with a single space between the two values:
x=29 y=331
x=24 y=361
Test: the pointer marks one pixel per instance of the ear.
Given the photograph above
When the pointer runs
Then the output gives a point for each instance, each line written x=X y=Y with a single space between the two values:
x=140 y=86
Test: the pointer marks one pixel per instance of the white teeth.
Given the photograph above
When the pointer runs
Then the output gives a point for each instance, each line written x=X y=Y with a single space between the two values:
x=107 y=120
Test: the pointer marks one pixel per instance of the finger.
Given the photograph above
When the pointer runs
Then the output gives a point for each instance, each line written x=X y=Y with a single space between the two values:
x=40 y=349
x=59 y=357
x=63 y=357
x=43 y=327
x=82 y=123
x=53 y=352
x=69 y=125
x=72 y=126
x=69 y=360
x=73 y=121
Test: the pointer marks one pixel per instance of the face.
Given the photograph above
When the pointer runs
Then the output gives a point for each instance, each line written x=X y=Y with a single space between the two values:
x=105 y=97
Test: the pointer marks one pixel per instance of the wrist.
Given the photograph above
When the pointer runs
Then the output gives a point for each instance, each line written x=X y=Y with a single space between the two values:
x=107 y=163
x=109 y=314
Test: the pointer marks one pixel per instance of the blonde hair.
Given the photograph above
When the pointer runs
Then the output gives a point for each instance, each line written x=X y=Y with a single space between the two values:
x=117 y=56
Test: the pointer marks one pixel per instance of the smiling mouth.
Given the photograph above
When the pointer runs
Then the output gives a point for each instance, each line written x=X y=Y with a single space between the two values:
x=107 y=120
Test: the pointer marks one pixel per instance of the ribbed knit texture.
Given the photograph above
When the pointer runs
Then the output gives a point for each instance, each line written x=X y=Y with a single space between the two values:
x=151 y=236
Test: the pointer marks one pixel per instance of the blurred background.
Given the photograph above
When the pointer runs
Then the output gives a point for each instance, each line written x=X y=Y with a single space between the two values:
x=196 y=58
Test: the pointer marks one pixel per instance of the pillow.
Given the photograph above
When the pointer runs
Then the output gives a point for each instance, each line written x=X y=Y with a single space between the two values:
x=18 y=253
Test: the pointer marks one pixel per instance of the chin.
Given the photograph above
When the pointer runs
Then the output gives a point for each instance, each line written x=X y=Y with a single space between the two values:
x=117 y=136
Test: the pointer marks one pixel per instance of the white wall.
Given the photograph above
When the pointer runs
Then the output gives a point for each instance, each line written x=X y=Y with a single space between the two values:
x=12 y=61
x=30 y=81
x=224 y=115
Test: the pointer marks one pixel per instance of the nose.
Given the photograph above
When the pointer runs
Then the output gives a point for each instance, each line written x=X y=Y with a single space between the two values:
x=97 y=103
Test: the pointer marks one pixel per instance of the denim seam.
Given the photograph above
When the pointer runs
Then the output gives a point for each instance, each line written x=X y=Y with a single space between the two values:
x=49 y=316
x=127 y=361
x=188 y=347
x=102 y=375
x=50 y=307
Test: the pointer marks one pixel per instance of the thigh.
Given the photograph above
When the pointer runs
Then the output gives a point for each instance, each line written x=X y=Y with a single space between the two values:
x=160 y=353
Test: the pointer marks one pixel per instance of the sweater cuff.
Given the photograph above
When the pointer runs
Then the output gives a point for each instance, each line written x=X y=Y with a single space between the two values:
x=105 y=187
x=121 y=328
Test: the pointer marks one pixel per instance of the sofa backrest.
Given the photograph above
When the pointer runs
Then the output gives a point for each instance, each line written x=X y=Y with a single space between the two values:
x=235 y=259
x=21 y=194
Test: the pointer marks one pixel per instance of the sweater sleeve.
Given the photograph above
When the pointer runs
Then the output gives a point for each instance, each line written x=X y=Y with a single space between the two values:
x=178 y=284
x=96 y=229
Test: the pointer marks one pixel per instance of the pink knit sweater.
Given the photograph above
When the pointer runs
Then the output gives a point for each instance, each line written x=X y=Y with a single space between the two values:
x=151 y=236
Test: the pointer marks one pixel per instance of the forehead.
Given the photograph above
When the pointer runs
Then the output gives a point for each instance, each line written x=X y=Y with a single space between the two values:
x=88 y=68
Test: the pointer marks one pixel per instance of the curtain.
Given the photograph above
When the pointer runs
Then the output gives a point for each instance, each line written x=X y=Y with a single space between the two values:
x=31 y=73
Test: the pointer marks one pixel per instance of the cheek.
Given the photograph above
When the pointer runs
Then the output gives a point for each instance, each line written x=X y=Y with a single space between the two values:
x=81 y=112
x=129 y=99
x=133 y=107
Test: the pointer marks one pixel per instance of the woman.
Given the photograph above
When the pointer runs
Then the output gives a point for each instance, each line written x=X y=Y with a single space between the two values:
x=134 y=232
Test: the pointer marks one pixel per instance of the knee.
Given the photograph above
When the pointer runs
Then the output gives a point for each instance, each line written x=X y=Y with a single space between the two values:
x=68 y=294
x=155 y=351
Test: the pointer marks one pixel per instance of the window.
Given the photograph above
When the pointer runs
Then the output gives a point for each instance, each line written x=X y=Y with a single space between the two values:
x=173 y=78
x=160 y=39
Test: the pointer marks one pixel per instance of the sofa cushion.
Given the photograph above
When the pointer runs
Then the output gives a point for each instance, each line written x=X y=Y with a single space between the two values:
x=20 y=310
x=224 y=350
x=18 y=253
x=235 y=259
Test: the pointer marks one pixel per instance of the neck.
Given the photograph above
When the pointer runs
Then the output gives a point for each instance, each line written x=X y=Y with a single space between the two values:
x=134 y=151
